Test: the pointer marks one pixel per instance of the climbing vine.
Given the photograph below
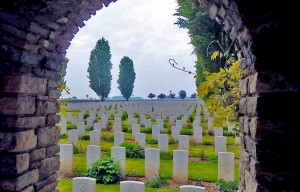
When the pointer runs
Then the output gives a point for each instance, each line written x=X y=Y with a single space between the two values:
x=220 y=91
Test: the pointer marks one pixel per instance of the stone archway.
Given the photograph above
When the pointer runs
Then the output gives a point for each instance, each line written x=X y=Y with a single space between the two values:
x=34 y=35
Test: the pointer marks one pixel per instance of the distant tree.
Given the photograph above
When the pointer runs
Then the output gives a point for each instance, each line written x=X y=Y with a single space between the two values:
x=161 y=96
x=182 y=94
x=172 y=95
x=193 y=96
x=151 y=95
x=126 y=77
x=64 y=89
x=63 y=71
x=100 y=69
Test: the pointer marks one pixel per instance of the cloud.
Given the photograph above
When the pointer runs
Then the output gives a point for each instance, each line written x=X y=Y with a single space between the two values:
x=144 y=31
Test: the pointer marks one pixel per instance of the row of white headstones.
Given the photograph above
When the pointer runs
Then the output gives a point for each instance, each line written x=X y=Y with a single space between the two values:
x=163 y=139
x=86 y=184
x=152 y=162
x=152 y=156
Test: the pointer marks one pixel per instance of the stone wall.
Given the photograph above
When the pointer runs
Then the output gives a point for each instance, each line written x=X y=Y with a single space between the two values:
x=34 y=36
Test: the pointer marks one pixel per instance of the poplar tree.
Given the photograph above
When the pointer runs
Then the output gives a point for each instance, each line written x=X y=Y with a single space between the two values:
x=99 y=70
x=126 y=77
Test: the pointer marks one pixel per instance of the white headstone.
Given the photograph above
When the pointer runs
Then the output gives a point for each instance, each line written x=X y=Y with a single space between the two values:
x=117 y=120
x=152 y=163
x=179 y=123
x=142 y=117
x=134 y=121
x=226 y=166
x=197 y=134
x=97 y=127
x=220 y=144
x=117 y=127
x=163 y=142
x=148 y=123
x=104 y=121
x=69 y=116
x=196 y=123
x=160 y=122
x=95 y=137
x=132 y=186
x=66 y=158
x=237 y=140
x=118 y=154
x=80 y=116
x=90 y=121
x=230 y=127
x=209 y=123
x=183 y=142
x=175 y=132
x=180 y=166
x=155 y=131
x=218 y=131
x=118 y=138
x=93 y=153
x=140 y=139
x=80 y=129
x=74 y=120
x=135 y=129
x=92 y=114
x=83 y=184
x=63 y=127
x=130 y=117
x=73 y=137
x=171 y=120
x=191 y=188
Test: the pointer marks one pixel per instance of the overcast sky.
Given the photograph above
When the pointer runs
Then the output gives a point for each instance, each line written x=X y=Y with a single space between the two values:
x=143 y=30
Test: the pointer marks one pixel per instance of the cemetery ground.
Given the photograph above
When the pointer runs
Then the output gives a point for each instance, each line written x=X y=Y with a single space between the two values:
x=202 y=158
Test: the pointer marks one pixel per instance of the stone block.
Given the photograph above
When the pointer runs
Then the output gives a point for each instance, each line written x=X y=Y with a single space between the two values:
x=14 y=164
x=20 y=182
x=17 y=105
x=24 y=84
x=48 y=180
x=7 y=141
x=50 y=187
x=52 y=120
x=48 y=167
x=47 y=136
x=52 y=150
x=37 y=154
x=25 y=140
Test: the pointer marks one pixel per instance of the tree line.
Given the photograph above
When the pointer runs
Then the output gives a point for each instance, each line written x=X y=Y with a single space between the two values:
x=181 y=95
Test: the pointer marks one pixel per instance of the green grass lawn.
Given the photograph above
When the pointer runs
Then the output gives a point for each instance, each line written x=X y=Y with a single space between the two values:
x=204 y=170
